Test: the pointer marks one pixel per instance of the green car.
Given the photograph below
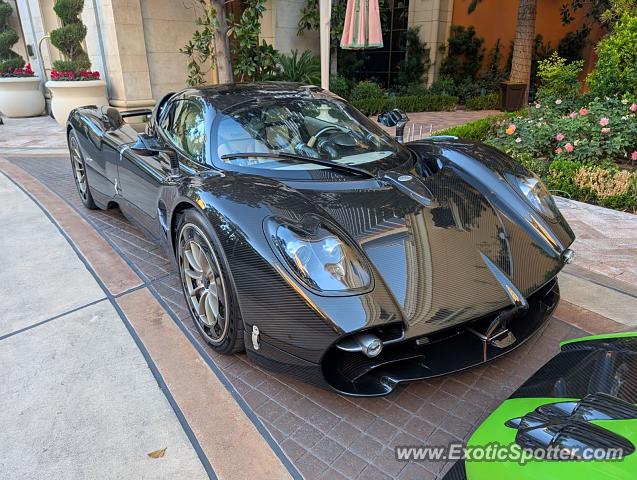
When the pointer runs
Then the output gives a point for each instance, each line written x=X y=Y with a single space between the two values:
x=575 y=418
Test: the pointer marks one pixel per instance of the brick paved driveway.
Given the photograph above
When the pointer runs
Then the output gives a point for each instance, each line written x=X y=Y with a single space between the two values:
x=326 y=435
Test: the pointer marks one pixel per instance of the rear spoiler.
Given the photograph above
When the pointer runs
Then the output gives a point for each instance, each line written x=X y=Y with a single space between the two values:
x=136 y=112
x=114 y=119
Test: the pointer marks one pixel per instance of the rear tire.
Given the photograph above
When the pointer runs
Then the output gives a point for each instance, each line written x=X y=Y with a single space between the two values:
x=207 y=287
x=79 y=172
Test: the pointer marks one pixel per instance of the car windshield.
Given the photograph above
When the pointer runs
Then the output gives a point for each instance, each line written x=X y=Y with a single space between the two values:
x=322 y=128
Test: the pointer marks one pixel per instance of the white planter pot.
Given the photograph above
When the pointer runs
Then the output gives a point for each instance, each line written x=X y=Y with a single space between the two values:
x=67 y=95
x=21 y=97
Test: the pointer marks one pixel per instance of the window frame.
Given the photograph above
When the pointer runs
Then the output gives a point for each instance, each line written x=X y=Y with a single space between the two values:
x=168 y=139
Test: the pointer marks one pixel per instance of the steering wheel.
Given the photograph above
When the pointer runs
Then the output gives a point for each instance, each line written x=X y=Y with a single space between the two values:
x=314 y=138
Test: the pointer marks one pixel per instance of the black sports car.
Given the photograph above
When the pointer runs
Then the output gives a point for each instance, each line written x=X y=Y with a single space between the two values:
x=309 y=237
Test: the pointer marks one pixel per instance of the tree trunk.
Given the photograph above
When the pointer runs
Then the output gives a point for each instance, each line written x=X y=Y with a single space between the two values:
x=524 y=44
x=334 y=61
x=223 y=57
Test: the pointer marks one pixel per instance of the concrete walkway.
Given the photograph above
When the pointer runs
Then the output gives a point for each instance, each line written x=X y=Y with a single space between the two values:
x=78 y=397
x=99 y=378
x=603 y=277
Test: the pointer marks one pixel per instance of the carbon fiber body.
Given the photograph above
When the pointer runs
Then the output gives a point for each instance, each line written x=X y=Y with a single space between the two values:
x=607 y=365
x=449 y=251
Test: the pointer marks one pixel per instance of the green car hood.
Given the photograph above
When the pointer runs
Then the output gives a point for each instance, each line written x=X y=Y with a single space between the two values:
x=598 y=373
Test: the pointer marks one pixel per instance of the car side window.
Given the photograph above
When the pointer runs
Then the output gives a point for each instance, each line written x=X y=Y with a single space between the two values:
x=184 y=125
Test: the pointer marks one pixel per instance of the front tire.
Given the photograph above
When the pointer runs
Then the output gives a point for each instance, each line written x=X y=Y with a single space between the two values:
x=208 y=290
x=79 y=172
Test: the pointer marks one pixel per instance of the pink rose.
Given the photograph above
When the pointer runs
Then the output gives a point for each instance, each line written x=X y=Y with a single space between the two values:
x=606 y=131
x=569 y=147
x=573 y=115
x=633 y=156
x=604 y=121
x=511 y=130
x=558 y=150
x=633 y=107
x=559 y=137
x=583 y=111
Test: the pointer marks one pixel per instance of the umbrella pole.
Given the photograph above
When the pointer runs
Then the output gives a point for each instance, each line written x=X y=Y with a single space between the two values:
x=325 y=11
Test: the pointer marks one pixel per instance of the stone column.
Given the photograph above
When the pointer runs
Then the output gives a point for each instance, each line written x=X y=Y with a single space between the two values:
x=125 y=55
x=434 y=19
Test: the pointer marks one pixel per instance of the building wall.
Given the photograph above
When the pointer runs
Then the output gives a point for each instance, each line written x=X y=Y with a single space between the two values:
x=495 y=20
x=168 y=26
x=134 y=44
x=279 y=26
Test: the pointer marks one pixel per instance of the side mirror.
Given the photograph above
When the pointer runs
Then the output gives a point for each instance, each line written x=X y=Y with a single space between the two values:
x=147 y=146
x=395 y=118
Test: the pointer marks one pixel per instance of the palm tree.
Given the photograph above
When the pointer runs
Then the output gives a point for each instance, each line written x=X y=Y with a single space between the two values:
x=523 y=44
x=222 y=45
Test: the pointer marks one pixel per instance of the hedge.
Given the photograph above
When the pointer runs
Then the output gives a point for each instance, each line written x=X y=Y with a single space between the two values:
x=415 y=103
x=478 y=130
x=490 y=101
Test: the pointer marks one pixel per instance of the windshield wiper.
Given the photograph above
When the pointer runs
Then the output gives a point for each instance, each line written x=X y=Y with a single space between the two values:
x=291 y=156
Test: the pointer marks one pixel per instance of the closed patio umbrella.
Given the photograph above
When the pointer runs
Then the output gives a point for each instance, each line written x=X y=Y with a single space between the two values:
x=362 y=25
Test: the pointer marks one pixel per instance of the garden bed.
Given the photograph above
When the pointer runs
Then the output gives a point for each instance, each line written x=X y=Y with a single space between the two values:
x=586 y=154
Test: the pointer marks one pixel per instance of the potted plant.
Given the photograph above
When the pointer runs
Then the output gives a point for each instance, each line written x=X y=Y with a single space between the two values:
x=20 y=94
x=72 y=83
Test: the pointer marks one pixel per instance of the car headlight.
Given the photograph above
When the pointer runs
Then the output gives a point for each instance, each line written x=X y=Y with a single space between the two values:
x=535 y=193
x=319 y=257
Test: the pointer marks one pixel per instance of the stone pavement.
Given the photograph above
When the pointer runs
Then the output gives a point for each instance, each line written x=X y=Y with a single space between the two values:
x=39 y=135
x=421 y=124
x=311 y=432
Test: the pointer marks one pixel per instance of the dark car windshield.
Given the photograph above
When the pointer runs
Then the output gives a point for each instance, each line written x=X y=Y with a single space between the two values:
x=324 y=128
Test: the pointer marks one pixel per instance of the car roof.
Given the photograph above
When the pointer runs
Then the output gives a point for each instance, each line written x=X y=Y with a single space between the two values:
x=226 y=96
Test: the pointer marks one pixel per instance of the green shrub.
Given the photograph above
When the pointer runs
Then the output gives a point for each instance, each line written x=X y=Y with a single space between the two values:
x=414 y=90
x=294 y=68
x=602 y=184
x=68 y=10
x=558 y=79
x=340 y=86
x=366 y=91
x=373 y=106
x=68 y=38
x=425 y=103
x=412 y=69
x=616 y=70
x=478 y=130
x=8 y=38
x=443 y=85
x=464 y=54
x=490 y=101
x=560 y=178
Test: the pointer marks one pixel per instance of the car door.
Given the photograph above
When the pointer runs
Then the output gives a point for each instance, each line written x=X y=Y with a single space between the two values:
x=181 y=128
x=92 y=144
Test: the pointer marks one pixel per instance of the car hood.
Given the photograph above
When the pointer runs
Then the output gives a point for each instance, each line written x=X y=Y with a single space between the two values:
x=445 y=248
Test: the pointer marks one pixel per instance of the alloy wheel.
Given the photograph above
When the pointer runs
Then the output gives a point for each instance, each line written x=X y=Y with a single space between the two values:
x=79 y=172
x=203 y=283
